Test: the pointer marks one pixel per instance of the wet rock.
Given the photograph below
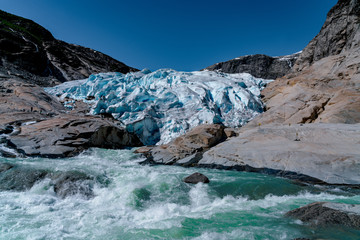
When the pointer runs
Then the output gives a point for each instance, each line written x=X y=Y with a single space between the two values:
x=7 y=154
x=196 y=178
x=327 y=214
x=6 y=129
x=72 y=183
x=143 y=150
x=5 y=166
x=18 y=178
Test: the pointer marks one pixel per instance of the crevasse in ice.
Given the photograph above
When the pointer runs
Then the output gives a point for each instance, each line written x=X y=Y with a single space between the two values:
x=164 y=104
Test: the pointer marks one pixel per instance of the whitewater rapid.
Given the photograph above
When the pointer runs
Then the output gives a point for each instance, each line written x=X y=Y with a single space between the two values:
x=133 y=201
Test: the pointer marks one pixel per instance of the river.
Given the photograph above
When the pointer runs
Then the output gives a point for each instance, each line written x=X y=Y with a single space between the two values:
x=133 y=201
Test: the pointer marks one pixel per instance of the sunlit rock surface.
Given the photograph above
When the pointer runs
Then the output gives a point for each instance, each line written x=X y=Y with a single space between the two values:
x=159 y=106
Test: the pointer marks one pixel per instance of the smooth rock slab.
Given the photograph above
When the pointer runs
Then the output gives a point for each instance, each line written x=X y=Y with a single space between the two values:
x=327 y=152
x=328 y=213
x=196 y=178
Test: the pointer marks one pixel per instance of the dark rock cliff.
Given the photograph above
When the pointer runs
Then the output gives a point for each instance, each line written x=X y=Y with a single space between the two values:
x=29 y=51
x=258 y=65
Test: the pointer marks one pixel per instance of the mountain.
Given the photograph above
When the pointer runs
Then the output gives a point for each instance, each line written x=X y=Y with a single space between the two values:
x=324 y=84
x=339 y=34
x=259 y=65
x=30 y=52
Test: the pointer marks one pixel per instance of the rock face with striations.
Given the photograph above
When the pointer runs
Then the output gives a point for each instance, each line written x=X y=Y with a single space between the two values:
x=339 y=34
x=30 y=52
x=315 y=153
x=259 y=65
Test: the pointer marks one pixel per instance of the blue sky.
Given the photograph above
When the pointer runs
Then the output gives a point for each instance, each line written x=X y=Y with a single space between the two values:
x=184 y=35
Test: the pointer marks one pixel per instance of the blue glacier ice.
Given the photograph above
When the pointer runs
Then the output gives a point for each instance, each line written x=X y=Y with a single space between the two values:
x=164 y=104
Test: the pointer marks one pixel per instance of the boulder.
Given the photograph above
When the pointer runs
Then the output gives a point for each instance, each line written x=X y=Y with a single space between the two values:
x=21 y=178
x=196 y=178
x=67 y=135
x=72 y=183
x=18 y=178
x=328 y=213
x=198 y=140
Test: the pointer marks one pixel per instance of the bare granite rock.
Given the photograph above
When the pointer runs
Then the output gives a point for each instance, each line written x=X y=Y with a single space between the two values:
x=312 y=153
x=21 y=102
x=326 y=153
x=339 y=34
x=191 y=145
x=67 y=135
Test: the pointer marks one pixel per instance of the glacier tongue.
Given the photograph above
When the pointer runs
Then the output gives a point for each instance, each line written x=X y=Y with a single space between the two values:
x=164 y=104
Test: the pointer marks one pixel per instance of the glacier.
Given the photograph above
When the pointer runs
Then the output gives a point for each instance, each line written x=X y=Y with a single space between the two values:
x=161 y=105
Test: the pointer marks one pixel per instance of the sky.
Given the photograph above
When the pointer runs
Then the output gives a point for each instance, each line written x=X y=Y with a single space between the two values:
x=186 y=35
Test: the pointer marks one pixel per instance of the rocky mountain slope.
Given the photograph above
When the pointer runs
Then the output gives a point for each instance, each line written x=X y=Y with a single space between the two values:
x=259 y=65
x=324 y=85
x=30 y=52
x=33 y=122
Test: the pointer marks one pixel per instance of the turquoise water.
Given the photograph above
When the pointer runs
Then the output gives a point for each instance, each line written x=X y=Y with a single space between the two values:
x=132 y=201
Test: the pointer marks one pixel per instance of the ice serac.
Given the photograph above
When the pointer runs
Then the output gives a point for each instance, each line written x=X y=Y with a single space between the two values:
x=159 y=106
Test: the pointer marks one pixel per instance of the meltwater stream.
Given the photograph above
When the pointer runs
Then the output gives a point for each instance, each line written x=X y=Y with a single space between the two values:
x=132 y=201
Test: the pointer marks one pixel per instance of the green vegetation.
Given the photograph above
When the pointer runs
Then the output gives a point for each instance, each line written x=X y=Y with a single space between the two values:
x=25 y=26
